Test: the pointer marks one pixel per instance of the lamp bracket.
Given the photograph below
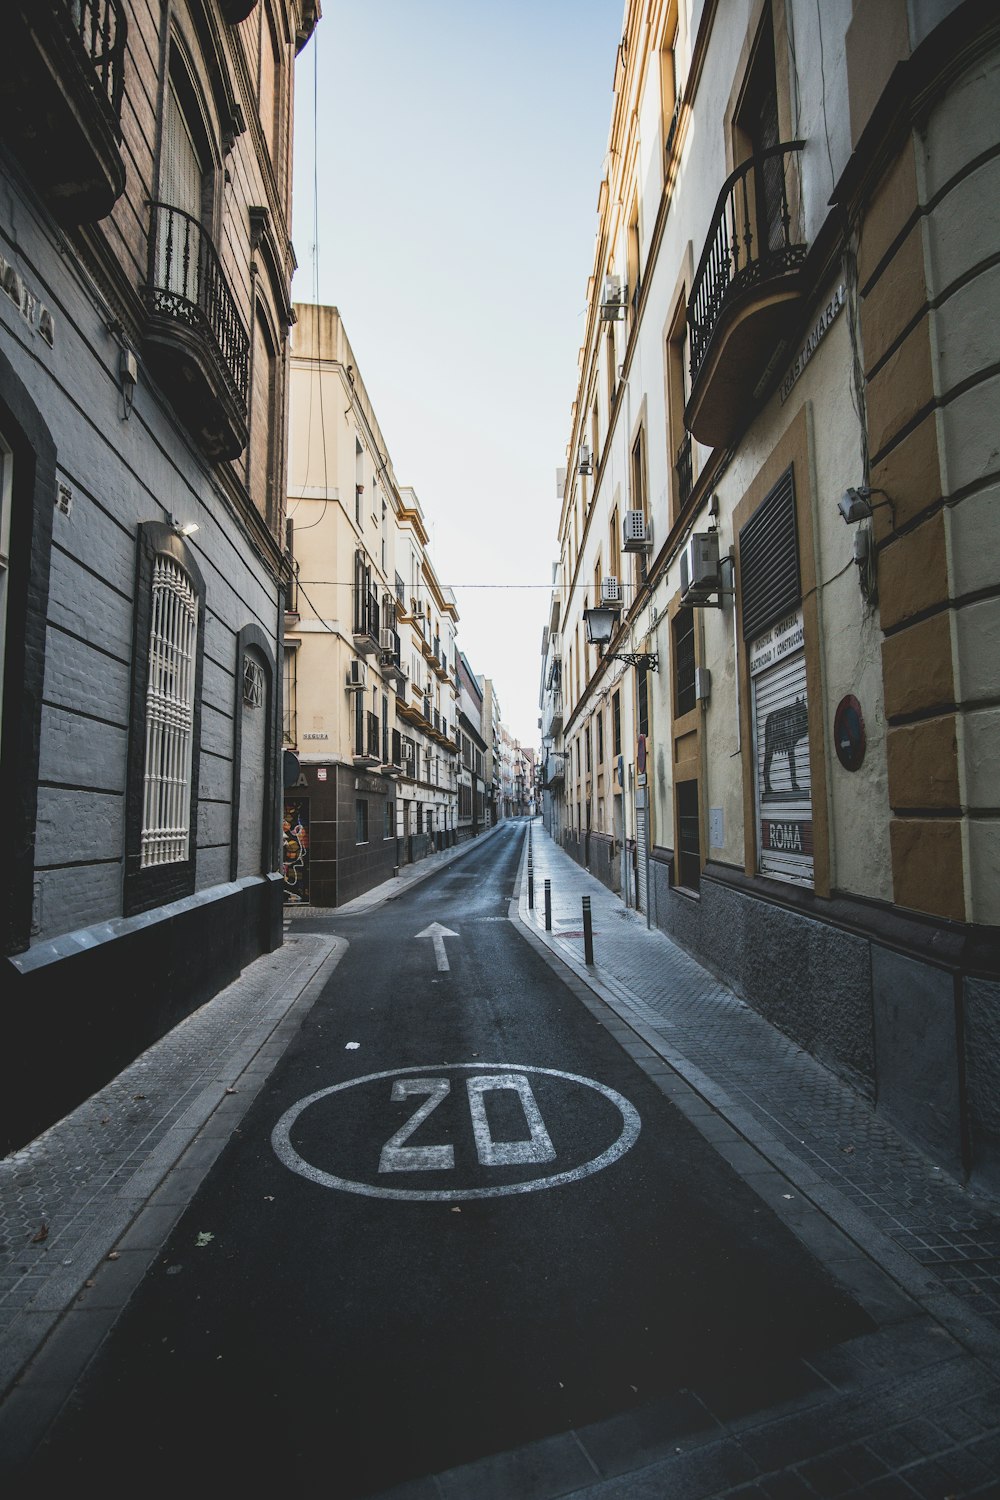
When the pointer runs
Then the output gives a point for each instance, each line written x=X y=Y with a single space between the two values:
x=646 y=659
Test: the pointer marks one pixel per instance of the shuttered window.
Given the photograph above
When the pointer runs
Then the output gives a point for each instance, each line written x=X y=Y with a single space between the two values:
x=769 y=559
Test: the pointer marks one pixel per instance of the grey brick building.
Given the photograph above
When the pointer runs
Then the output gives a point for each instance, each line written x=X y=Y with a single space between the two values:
x=145 y=267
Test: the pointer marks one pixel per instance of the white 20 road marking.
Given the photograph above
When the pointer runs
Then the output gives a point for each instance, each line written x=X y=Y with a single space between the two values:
x=438 y=933
x=398 y=1157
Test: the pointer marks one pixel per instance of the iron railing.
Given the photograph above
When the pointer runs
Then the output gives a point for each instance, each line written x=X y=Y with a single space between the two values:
x=98 y=27
x=750 y=240
x=366 y=612
x=366 y=734
x=187 y=284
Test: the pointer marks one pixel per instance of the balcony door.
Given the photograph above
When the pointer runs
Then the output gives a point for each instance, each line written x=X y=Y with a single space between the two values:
x=182 y=185
x=757 y=131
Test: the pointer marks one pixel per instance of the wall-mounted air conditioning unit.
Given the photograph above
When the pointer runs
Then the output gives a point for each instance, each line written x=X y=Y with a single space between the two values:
x=386 y=641
x=611 y=591
x=407 y=749
x=586 y=464
x=357 y=676
x=701 y=575
x=635 y=532
x=613 y=299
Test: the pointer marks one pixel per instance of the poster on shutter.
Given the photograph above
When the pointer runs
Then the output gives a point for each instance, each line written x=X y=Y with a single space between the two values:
x=783 y=778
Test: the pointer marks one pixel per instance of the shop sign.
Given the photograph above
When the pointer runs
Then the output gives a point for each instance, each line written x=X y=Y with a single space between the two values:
x=780 y=641
x=815 y=337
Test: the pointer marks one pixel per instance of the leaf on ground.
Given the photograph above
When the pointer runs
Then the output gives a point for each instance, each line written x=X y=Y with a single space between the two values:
x=114 y=1255
x=204 y=1237
x=43 y=1234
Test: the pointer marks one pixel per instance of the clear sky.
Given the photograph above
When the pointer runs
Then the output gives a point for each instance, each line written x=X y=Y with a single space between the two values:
x=448 y=155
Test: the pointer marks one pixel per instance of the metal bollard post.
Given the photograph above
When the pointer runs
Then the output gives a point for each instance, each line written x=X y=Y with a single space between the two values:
x=588 y=933
x=548 y=906
x=531 y=891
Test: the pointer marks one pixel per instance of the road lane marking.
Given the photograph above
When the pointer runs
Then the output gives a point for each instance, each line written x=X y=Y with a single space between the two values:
x=485 y=1076
x=438 y=933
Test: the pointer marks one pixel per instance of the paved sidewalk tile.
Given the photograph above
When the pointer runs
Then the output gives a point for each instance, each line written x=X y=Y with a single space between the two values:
x=831 y=1134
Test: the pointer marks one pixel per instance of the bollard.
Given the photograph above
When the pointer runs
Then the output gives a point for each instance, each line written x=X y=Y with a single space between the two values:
x=588 y=933
x=531 y=891
x=548 y=906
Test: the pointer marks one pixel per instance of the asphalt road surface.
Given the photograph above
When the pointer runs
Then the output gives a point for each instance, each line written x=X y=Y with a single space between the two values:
x=457 y=1218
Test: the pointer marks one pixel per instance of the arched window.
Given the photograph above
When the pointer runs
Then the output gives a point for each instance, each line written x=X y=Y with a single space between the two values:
x=165 y=721
x=173 y=639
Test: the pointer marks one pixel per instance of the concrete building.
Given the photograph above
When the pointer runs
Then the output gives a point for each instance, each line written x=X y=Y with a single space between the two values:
x=371 y=691
x=769 y=685
x=492 y=734
x=145 y=273
x=472 y=785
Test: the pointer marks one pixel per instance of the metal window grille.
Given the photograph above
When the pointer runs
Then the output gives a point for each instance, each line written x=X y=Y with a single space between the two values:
x=253 y=683
x=169 y=717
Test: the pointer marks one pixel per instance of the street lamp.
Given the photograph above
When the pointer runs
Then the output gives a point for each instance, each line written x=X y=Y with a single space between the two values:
x=600 y=626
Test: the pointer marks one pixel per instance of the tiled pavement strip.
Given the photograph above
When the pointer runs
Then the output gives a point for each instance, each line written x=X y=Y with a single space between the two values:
x=912 y=1409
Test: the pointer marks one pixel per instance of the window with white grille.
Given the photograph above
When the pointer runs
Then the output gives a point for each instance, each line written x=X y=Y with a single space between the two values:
x=173 y=638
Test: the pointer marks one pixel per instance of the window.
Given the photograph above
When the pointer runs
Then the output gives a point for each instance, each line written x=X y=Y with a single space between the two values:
x=688 y=836
x=611 y=359
x=586 y=748
x=359 y=481
x=253 y=683
x=633 y=259
x=388 y=820
x=639 y=495
x=616 y=724
x=684 y=662
x=669 y=98
x=166 y=815
x=288 y=685
x=263 y=419
x=268 y=92
x=642 y=699
x=614 y=547
x=600 y=738
x=361 y=820
x=678 y=377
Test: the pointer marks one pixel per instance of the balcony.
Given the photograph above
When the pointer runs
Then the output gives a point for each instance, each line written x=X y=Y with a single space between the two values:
x=195 y=338
x=60 y=102
x=236 y=11
x=388 y=658
x=745 y=296
x=552 y=712
x=366 y=621
x=367 y=748
x=394 y=765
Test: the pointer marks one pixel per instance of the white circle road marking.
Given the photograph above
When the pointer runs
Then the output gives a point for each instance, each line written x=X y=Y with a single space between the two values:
x=286 y=1153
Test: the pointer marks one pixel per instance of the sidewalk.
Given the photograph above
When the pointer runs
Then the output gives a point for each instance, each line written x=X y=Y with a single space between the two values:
x=86 y=1207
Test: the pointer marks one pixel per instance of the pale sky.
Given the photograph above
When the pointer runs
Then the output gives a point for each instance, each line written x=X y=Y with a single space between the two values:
x=455 y=149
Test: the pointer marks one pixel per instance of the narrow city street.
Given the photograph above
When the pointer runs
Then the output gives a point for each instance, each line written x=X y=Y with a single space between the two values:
x=457 y=1219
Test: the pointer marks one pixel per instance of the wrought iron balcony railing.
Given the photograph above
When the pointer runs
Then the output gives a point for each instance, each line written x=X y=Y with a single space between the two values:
x=749 y=241
x=101 y=29
x=61 y=98
x=188 y=285
x=366 y=736
x=366 y=614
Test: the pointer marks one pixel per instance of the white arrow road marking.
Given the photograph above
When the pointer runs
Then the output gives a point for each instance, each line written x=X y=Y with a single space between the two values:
x=438 y=933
